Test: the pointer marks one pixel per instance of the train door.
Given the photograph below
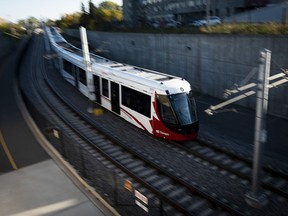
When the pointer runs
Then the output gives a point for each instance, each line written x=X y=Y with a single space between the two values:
x=115 y=98
x=96 y=80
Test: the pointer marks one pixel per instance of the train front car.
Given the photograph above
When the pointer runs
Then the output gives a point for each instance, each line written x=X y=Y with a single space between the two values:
x=176 y=113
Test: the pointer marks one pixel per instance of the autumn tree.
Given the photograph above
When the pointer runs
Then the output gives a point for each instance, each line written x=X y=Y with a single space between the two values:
x=69 y=21
x=110 y=11
x=102 y=17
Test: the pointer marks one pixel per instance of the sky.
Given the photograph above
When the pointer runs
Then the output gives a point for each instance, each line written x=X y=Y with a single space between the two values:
x=14 y=10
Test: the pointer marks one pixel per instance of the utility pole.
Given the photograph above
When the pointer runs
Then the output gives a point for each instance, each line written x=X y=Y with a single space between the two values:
x=88 y=67
x=255 y=198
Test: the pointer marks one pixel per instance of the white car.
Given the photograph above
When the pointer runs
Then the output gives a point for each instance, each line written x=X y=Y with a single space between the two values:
x=172 y=23
x=212 y=20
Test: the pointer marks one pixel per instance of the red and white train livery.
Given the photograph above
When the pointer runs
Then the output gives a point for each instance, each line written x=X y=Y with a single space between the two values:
x=158 y=103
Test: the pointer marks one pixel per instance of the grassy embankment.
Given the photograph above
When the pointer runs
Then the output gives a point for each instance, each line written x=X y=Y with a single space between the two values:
x=247 y=28
x=239 y=28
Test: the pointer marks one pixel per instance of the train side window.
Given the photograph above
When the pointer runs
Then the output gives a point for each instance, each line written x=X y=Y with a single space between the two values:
x=105 y=88
x=82 y=76
x=136 y=101
x=142 y=103
x=126 y=97
x=68 y=67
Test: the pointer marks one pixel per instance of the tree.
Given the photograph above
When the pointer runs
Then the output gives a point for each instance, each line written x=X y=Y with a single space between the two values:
x=110 y=11
x=109 y=5
x=106 y=15
x=11 y=28
x=30 y=23
x=23 y=23
x=50 y=22
x=92 y=10
x=84 y=18
x=33 y=23
x=69 y=21
x=92 y=16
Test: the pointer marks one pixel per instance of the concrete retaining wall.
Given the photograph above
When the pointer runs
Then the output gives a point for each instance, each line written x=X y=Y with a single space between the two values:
x=211 y=63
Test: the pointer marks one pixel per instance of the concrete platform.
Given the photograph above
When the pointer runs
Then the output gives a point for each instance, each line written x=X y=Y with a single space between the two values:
x=43 y=189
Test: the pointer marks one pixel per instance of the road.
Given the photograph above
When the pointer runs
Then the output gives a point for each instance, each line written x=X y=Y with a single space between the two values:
x=18 y=145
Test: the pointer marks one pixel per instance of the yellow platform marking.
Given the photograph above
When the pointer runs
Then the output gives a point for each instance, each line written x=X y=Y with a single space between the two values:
x=12 y=162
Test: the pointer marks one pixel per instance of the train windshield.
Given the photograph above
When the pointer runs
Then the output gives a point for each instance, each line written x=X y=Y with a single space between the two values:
x=177 y=109
x=184 y=108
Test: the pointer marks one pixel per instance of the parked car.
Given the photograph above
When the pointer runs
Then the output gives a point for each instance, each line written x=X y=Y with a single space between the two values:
x=196 y=23
x=212 y=20
x=165 y=23
x=172 y=24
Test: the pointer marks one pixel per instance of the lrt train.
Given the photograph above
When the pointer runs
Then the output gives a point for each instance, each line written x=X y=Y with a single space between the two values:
x=158 y=103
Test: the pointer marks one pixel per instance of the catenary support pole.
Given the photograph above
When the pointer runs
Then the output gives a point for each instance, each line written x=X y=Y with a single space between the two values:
x=88 y=67
x=255 y=197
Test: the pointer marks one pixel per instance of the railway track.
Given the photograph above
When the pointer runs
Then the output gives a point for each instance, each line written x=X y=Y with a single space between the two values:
x=273 y=181
x=178 y=192
x=178 y=195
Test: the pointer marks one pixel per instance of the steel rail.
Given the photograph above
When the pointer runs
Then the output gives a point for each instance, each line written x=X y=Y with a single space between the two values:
x=274 y=173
